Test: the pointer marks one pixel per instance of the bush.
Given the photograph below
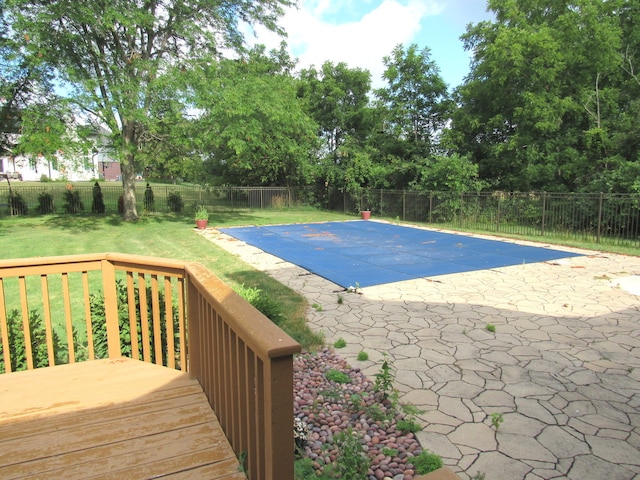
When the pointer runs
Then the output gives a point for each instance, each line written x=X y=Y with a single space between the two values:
x=149 y=200
x=427 y=462
x=99 y=326
x=17 y=205
x=38 y=336
x=263 y=303
x=175 y=202
x=72 y=202
x=45 y=203
x=98 y=201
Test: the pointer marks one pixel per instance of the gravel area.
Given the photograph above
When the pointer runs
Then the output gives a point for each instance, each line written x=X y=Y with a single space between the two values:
x=327 y=407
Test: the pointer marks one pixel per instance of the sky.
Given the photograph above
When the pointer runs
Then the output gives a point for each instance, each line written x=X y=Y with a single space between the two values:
x=361 y=32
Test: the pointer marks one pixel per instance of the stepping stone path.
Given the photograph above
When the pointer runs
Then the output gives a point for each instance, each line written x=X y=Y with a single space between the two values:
x=562 y=368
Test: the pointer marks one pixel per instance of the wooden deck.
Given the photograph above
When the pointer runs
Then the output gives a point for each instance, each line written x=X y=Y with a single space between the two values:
x=110 y=419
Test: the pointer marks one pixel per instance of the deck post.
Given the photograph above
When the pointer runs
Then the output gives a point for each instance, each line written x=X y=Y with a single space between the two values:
x=279 y=418
x=111 y=308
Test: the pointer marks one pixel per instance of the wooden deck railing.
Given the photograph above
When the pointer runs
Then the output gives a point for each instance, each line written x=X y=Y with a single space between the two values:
x=178 y=314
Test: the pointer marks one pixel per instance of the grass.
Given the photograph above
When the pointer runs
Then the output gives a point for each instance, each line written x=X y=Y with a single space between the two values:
x=163 y=235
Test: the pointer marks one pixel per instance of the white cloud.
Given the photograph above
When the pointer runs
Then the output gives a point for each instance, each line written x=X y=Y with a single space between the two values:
x=359 y=43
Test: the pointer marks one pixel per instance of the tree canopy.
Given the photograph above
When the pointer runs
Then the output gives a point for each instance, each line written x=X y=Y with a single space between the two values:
x=552 y=100
x=112 y=55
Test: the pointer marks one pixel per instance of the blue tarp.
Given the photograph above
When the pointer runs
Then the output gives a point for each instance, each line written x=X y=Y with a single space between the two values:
x=372 y=253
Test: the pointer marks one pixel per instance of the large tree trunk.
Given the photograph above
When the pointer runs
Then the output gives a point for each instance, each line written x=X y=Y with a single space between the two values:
x=129 y=190
x=128 y=171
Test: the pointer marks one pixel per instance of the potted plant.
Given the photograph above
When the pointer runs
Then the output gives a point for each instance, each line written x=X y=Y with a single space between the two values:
x=202 y=217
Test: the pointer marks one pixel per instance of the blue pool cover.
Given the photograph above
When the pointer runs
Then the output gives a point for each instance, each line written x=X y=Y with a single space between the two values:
x=372 y=253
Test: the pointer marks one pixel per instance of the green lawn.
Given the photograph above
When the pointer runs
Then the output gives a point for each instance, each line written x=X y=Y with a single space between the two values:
x=170 y=236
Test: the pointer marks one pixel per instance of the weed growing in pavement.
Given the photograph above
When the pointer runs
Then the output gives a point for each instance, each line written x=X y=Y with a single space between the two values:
x=407 y=425
x=340 y=343
x=491 y=327
x=363 y=356
x=478 y=476
x=496 y=420
x=317 y=307
x=340 y=299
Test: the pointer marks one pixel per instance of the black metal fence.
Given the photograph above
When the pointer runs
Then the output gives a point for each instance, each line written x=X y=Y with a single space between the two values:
x=57 y=198
x=599 y=218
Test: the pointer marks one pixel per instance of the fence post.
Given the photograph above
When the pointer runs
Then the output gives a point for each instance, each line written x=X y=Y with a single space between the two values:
x=544 y=210
x=404 y=205
x=599 y=217
x=430 y=205
x=381 y=200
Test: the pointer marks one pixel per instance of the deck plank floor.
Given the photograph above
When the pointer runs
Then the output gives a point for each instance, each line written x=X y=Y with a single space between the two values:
x=110 y=419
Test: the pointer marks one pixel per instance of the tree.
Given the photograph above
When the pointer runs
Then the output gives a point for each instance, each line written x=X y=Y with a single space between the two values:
x=336 y=97
x=253 y=126
x=415 y=100
x=539 y=108
x=111 y=55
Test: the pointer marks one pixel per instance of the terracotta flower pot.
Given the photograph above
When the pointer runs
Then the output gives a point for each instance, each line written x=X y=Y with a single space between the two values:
x=365 y=214
x=202 y=224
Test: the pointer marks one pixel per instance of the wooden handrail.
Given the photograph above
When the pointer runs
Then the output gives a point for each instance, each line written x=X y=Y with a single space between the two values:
x=243 y=361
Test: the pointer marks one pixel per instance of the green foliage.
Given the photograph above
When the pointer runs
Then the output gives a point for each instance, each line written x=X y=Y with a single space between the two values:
x=262 y=302
x=427 y=462
x=17 y=205
x=175 y=202
x=490 y=327
x=149 y=200
x=352 y=461
x=337 y=376
x=496 y=420
x=383 y=384
x=45 y=203
x=270 y=140
x=340 y=343
x=99 y=325
x=406 y=425
x=98 y=201
x=202 y=213
x=363 y=356
x=72 y=202
x=38 y=342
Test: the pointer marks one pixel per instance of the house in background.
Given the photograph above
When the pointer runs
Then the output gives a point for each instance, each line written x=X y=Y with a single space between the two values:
x=109 y=171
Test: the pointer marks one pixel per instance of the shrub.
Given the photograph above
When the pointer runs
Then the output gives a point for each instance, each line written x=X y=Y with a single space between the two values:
x=352 y=461
x=17 y=205
x=337 y=376
x=45 y=203
x=38 y=336
x=99 y=327
x=149 y=200
x=72 y=204
x=427 y=462
x=263 y=303
x=340 y=343
x=175 y=202
x=98 y=201
x=363 y=356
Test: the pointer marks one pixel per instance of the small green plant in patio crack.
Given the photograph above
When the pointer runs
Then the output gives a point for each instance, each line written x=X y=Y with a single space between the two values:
x=496 y=420
x=340 y=299
x=340 y=343
x=363 y=356
x=317 y=307
x=478 y=476
x=491 y=327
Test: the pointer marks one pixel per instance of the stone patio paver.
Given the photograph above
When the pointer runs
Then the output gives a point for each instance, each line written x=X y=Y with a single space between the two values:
x=563 y=366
